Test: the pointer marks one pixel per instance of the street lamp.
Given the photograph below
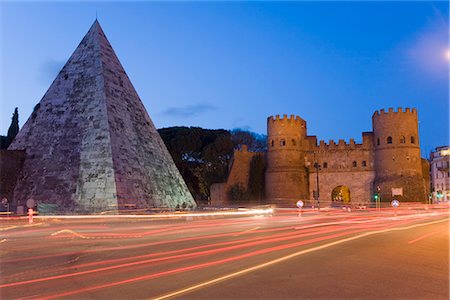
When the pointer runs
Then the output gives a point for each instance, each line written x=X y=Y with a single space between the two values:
x=317 y=166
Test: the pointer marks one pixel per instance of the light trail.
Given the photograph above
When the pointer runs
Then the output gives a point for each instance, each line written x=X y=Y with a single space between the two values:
x=247 y=212
x=426 y=235
x=269 y=239
x=355 y=220
x=287 y=257
x=246 y=231
x=141 y=245
x=182 y=240
x=198 y=266
x=234 y=258
x=209 y=252
x=168 y=258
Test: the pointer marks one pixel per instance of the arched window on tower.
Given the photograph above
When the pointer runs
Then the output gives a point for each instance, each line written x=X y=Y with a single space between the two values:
x=378 y=141
x=402 y=139
x=294 y=143
x=272 y=143
x=413 y=140
x=325 y=165
x=364 y=164
x=282 y=142
x=355 y=164
x=389 y=139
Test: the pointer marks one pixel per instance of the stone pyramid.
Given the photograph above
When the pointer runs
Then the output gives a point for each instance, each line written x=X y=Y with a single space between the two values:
x=90 y=144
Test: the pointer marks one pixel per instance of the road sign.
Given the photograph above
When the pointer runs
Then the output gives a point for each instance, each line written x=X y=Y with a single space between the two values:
x=397 y=191
x=299 y=203
x=30 y=203
x=395 y=203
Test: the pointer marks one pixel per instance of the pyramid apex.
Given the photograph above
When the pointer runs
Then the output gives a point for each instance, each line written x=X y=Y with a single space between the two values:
x=95 y=25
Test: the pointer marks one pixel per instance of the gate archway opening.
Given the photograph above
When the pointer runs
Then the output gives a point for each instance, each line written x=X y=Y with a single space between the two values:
x=341 y=194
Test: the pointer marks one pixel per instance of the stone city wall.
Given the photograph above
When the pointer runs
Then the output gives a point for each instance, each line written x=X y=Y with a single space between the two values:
x=239 y=173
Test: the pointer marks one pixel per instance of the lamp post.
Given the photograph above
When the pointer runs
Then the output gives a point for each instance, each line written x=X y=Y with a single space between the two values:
x=317 y=166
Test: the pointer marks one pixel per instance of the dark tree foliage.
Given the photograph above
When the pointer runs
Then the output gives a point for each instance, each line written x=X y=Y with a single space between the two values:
x=13 y=129
x=256 y=177
x=201 y=156
x=3 y=142
x=255 y=142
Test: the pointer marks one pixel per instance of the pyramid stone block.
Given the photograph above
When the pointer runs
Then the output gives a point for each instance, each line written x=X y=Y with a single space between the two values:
x=90 y=144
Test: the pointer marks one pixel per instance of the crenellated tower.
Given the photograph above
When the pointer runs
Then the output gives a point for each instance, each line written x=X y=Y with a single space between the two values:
x=398 y=162
x=286 y=176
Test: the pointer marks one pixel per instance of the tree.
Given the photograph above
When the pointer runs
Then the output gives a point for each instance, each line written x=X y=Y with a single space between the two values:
x=201 y=156
x=14 y=127
x=255 y=142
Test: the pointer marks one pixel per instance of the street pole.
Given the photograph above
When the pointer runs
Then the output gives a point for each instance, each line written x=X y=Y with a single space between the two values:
x=378 y=202
x=317 y=166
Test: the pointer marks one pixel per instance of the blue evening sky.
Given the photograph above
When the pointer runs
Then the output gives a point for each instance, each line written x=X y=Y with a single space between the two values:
x=233 y=64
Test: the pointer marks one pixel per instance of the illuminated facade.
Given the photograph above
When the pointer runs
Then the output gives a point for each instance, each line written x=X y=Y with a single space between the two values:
x=387 y=163
x=440 y=174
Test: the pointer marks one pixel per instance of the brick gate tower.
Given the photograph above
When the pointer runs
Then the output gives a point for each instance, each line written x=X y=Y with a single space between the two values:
x=398 y=163
x=286 y=176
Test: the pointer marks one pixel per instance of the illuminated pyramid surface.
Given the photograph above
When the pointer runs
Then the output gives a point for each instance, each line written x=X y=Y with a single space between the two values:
x=90 y=144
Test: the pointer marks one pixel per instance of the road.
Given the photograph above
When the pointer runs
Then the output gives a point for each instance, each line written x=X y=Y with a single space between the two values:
x=282 y=255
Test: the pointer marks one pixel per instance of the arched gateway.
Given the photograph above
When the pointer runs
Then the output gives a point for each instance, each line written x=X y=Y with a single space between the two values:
x=341 y=195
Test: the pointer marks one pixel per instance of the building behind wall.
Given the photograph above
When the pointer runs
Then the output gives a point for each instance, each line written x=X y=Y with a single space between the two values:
x=440 y=174
x=387 y=162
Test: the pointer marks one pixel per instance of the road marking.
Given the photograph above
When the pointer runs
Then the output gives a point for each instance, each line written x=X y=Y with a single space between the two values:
x=284 y=258
x=426 y=235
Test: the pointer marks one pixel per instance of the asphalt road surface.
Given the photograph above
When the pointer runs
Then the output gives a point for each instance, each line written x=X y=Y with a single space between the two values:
x=283 y=255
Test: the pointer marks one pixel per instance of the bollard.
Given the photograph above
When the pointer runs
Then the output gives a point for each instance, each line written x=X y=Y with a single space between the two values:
x=30 y=215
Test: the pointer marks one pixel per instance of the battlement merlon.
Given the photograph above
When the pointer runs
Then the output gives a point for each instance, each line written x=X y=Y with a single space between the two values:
x=367 y=142
x=390 y=110
x=285 y=118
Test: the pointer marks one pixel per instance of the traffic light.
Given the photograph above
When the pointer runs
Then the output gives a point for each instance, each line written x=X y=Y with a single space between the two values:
x=376 y=197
